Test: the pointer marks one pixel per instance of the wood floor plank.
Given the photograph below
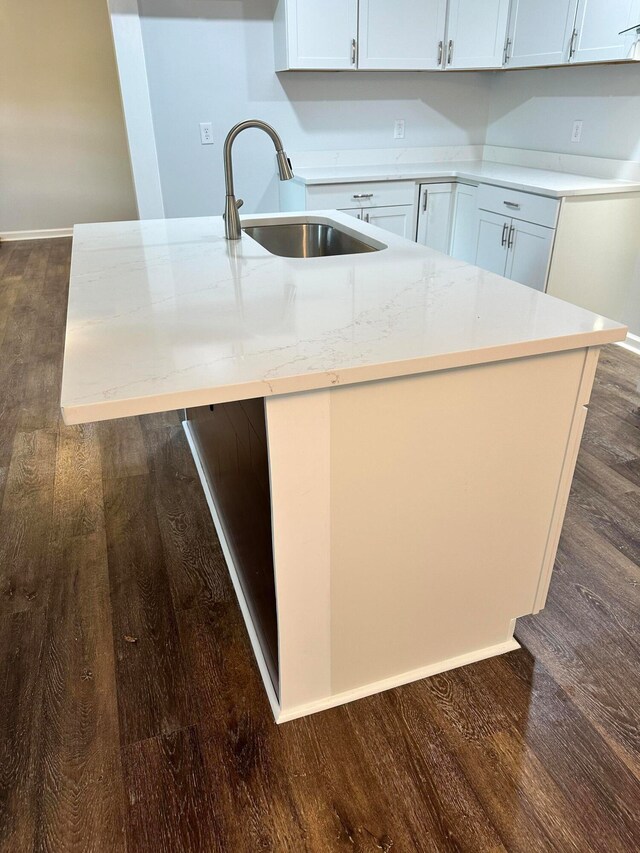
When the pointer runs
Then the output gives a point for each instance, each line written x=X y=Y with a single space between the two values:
x=123 y=449
x=21 y=652
x=26 y=523
x=173 y=806
x=195 y=564
x=78 y=496
x=153 y=694
x=81 y=793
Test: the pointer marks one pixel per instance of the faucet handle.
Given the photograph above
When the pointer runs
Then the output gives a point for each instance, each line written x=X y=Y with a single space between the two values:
x=239 y=203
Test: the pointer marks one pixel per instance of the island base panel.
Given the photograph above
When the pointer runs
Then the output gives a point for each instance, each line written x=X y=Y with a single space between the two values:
x=413 y=521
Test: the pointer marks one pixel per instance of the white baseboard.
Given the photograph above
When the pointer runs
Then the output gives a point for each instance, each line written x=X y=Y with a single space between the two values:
x=397 y=681
x=632 y=343
x=43 y=234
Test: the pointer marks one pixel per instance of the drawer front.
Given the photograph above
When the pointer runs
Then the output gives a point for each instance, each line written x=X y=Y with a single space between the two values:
x=346 y=196
x=519 y=205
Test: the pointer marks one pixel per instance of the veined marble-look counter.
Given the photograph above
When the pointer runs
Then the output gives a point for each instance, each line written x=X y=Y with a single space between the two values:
x=541 y=181
x=165 y=314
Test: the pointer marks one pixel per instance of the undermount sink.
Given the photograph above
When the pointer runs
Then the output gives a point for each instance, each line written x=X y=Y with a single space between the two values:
x=307 y=240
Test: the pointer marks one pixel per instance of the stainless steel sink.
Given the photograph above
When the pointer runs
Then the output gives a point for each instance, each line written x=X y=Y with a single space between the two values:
x=307 y=240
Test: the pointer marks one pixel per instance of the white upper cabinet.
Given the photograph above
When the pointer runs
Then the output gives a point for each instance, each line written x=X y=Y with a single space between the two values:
x=540 y=32
x=597 y=28
x=476 y=33
x=316 y=35
x=449 y=35
x=405 y=34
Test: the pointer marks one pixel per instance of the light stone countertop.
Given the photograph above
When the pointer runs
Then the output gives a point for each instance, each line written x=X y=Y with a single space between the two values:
x=541 y=181
x=165 y=314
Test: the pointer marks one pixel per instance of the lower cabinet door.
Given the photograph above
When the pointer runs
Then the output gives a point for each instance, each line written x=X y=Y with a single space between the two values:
x=529 y=254
x=464 y=236
x=397 y=219
x=491 y=245
x=434 y=219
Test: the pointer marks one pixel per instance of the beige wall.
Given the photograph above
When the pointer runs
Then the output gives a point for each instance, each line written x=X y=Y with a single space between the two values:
x=63 y=148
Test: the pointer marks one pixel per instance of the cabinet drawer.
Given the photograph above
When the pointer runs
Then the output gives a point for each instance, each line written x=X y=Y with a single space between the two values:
x=345 y=196
x=519 y=205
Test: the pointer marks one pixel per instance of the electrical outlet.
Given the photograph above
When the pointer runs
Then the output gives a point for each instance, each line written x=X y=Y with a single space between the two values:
x=398 y=129
x=206 y=133
x=576 y=133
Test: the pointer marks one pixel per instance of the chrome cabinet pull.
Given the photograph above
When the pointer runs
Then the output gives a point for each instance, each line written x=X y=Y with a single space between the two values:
x=450 y=53
x=512 y=205
x=440 y=52
x=366 y=217
x=362 y=195
x=512 y=234
x=504 y=234
x=354 y=51
x=424 y=201
x=505 y=59
x=572 y=44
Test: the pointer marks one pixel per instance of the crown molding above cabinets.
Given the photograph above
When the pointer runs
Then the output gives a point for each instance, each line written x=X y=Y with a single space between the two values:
x=453 y=35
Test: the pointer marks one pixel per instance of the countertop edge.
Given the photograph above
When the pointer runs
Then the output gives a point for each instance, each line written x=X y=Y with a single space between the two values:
x=611 y=188
x=81 y=413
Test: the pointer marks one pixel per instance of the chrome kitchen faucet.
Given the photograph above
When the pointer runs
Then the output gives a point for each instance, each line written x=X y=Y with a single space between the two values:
x=232 y=228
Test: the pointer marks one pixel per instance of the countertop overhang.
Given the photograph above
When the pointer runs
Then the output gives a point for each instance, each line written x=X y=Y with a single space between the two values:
x=165 y=314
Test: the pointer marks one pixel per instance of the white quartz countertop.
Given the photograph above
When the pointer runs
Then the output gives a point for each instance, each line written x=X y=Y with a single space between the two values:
x=165 y=314
x=541 y=181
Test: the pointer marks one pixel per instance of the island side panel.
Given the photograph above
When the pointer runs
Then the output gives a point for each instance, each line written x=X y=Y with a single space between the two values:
x=443 y=489
x=435 y=496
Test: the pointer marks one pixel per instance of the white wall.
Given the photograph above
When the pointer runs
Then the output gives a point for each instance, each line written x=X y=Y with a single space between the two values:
x=63 y=148
x=212 y=60
x=536 y=109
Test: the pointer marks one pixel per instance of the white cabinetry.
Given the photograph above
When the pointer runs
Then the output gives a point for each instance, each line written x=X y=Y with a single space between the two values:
x=597 y=30
x=554 y=32
x=529 y=249
x=397 y=219
x=516 y=248
x=435 y=216
x=464 y=231
x=313 y=35
x=476 y=33
x=405 y=34
x=540 y=32
x=422 y=35
x=387 y=204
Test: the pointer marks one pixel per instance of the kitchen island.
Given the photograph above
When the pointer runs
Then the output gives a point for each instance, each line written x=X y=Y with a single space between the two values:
x=386 y=440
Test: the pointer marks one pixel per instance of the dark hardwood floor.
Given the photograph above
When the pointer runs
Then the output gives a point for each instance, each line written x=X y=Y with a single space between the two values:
x=132 y=716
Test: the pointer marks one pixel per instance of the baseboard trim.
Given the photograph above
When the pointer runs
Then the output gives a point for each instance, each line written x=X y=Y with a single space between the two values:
x=42 y=234
x=632 y=343
x=398 y=680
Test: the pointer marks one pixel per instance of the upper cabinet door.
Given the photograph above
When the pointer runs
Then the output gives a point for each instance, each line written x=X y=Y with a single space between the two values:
x=316 y=35
x=540 y=32
x=598 y=25
x=476 y=33
x=404 y=34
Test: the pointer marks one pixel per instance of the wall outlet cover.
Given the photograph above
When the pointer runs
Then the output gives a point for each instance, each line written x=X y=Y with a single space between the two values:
x=206 y=133
x=576 y=132
x=398 y=129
